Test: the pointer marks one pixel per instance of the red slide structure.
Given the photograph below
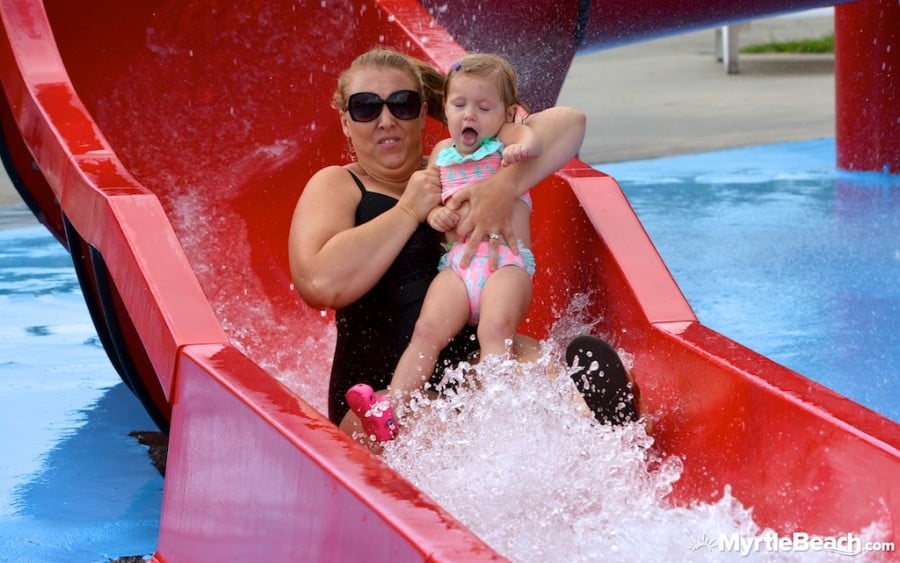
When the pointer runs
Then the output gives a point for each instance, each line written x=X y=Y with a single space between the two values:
x=165 y=143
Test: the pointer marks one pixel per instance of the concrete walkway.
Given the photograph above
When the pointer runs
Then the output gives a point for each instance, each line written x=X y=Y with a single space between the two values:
x=670 y=96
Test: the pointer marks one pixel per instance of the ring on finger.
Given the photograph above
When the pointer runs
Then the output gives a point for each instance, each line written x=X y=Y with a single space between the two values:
x=494 y=236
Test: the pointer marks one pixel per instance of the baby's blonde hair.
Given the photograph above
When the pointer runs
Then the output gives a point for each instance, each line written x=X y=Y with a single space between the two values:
x=486 y=65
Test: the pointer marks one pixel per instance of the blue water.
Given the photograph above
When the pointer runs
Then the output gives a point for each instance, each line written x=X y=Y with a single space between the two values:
x=777 y=250
x=74 y=486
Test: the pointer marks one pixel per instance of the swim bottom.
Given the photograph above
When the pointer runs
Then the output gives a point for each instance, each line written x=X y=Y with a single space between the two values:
x=479 y=270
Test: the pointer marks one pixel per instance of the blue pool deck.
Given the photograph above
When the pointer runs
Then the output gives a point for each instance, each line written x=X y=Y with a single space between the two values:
x=74 y=486
x=770 y=245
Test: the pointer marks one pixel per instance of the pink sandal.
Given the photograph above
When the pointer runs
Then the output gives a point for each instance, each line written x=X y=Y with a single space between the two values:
x=374 y=412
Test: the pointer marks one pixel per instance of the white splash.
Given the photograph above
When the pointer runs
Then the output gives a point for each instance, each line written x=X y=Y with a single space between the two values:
x=514 y=455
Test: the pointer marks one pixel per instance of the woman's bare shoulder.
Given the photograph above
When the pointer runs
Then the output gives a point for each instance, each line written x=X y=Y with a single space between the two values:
x=330 y=174
x=332 y=185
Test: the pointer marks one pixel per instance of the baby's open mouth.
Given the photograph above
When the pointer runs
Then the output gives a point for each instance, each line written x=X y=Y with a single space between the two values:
x=469 y=136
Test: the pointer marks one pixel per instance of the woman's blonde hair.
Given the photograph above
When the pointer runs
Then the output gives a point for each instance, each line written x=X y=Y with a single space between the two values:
x=486 y=65
x=429 y=81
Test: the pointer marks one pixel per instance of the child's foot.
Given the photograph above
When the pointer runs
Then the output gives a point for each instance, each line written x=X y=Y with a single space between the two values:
x=374 y=412
x=602 y=380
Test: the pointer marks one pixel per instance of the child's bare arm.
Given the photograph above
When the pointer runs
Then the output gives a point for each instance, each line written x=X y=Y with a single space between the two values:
x=520 y=143
x=443 y=219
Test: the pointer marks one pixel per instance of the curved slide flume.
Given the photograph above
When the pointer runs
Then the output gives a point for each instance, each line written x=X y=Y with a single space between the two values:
x=166 y=142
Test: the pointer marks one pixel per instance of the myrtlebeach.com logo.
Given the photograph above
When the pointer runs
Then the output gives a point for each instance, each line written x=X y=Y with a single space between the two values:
x=799 y=542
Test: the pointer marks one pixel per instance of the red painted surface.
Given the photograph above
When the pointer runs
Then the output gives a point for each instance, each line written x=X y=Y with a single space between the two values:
x=176 y=136
x=254 y=473
x=867 y=75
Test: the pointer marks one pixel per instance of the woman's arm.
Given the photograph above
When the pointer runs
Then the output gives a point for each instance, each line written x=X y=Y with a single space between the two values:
x=561 y=132
x=335 y=262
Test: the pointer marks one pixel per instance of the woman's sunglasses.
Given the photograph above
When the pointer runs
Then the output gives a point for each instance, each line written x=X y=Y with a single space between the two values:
x=366 y=106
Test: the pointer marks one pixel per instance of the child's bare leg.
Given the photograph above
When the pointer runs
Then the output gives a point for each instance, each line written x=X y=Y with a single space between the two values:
x=504 y=303
x=525 y=348
x=350 y=424
x=445 y=312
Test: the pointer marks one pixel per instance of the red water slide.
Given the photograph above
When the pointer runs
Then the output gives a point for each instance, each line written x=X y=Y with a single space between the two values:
x=165 y=143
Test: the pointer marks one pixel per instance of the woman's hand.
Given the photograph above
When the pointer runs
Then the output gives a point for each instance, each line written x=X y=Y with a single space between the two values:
x=422 y=193
x=489 y=217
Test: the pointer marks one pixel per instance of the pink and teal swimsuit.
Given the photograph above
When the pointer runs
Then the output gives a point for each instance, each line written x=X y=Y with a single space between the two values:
x=457 y=171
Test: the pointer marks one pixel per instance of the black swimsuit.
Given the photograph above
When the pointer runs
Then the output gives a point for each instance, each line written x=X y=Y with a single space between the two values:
x=373 y=332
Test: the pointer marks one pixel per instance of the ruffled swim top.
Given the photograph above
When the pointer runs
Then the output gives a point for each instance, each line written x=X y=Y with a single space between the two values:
x=451 y=155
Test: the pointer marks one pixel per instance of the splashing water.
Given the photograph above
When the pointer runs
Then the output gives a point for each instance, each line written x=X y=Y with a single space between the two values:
x=514 y=454
x=524 y=477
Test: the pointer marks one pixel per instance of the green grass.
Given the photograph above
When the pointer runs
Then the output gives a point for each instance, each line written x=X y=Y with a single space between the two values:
x=821 y=45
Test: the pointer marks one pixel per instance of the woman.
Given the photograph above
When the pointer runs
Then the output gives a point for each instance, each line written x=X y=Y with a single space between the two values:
x=358 y=243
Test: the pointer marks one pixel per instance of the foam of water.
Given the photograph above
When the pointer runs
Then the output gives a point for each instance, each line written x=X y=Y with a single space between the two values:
x=515 y=456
